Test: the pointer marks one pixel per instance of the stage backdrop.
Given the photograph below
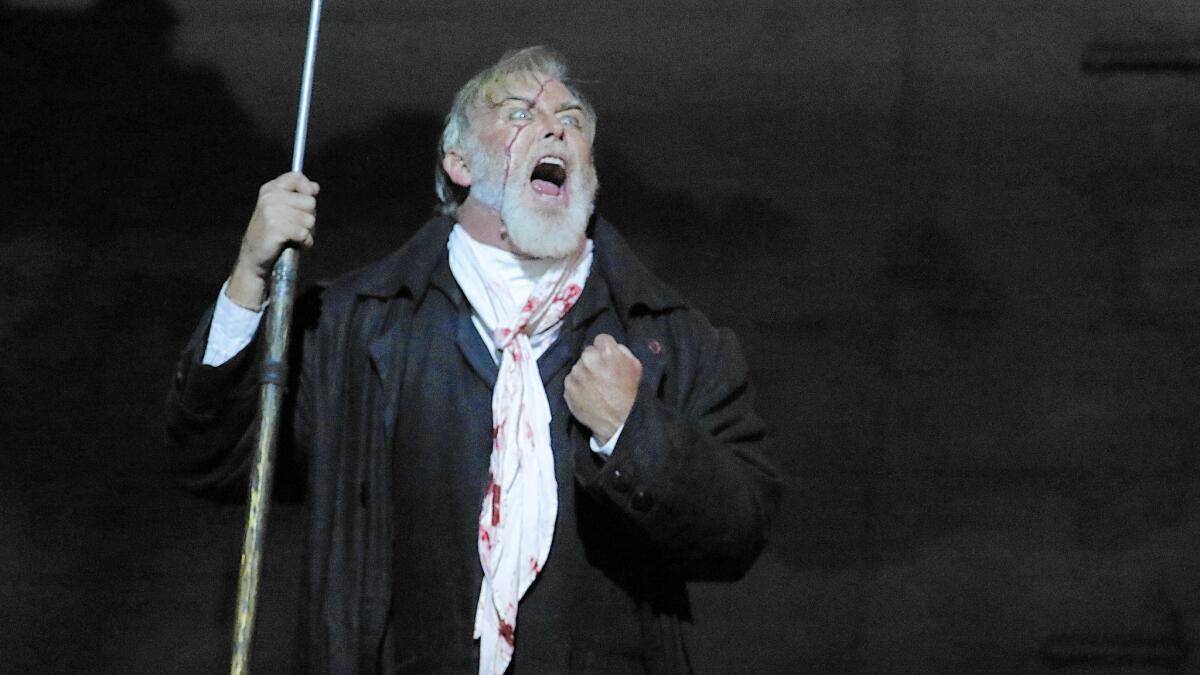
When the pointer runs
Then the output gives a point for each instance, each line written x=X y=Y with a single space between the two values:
x=957 y=239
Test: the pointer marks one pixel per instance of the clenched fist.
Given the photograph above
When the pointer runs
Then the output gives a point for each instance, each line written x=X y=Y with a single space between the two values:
x=600 y=389
x=285 y=214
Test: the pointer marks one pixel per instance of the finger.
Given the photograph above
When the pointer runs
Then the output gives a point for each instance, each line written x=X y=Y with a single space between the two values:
x=589 y=359
x=308 y=187
x=625 y=352
x=298 y=201
x=284 y=218
x=283 y=181
x=302 y=236
x=604 y=340
x=292 y=199
x=292 y=181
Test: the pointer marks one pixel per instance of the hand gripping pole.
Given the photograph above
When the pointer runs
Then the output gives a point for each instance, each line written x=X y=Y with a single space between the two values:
x=274 y=371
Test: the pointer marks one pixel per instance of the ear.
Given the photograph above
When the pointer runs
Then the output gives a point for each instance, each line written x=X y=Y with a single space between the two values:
x=456 y=167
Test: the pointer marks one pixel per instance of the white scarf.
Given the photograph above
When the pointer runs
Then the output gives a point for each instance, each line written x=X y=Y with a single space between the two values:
x=516 y=521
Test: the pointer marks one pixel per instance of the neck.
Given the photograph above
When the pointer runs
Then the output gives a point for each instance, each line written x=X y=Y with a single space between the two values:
x=484 y=225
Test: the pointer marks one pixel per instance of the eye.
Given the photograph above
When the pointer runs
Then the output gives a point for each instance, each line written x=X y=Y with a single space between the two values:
x=571 y=121
x=520 y=114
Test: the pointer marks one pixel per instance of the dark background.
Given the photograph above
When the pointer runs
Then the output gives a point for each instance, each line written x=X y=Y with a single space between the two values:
x=958 y=239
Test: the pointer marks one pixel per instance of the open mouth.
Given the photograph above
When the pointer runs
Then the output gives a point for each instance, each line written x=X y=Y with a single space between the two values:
x=548 y=176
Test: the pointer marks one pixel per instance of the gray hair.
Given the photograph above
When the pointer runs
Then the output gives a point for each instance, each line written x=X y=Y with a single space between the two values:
x=483 y=88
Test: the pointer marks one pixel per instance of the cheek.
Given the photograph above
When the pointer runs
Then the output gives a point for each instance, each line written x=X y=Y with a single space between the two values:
x=583 y=147
x=516 y=141
x=495 y=140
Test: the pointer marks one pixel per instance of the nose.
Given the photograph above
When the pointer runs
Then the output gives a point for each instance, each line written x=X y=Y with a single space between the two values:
x=555 y=128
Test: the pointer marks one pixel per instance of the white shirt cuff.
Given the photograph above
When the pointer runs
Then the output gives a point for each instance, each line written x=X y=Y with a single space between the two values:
x=232 y=328
x=606 y=449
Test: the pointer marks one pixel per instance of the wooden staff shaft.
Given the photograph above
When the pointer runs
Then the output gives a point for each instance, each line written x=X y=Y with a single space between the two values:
x=274 y=380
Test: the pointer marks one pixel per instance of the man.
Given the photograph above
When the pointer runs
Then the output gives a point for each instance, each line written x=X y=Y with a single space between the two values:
x=517 y=444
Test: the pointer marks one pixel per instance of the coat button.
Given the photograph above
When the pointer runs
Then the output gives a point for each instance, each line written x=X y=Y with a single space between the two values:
x=642 y=501
x=620 y=481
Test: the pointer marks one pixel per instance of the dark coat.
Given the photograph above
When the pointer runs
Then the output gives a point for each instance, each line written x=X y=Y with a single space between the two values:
x=391 y=400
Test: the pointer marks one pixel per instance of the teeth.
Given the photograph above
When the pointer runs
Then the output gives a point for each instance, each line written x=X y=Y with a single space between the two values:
x=552 y=160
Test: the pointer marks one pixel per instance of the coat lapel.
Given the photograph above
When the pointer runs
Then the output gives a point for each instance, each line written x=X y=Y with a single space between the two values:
x=399 y=283
x=475 y=352
x=649 y=351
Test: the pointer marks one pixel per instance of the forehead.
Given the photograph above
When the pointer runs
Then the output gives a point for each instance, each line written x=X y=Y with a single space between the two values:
x=524 y=87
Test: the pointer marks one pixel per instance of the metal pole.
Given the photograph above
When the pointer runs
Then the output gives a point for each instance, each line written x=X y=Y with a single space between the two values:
x=274 y=379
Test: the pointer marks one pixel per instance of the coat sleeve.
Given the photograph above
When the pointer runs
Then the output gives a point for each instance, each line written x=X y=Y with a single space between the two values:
x=212 y=418
x=690 y=468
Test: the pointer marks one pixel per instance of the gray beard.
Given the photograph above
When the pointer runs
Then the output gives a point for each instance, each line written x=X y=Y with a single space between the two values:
x=536 y=232
x=550 y=233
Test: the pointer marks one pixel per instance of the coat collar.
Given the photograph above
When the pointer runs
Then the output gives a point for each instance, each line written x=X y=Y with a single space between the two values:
x=410 y=270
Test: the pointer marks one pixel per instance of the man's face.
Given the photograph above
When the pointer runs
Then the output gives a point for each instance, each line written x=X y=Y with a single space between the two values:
x=531 y=160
